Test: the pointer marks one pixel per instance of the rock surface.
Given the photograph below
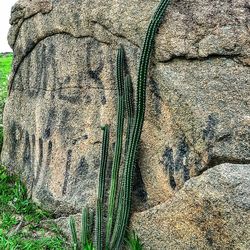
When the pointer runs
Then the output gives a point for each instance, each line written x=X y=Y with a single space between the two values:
x=62 y=89
x=211 y=211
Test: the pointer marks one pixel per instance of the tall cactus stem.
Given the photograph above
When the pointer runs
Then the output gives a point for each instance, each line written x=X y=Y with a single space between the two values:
x=90 y=223
x=124 y=203
x=85 y=229
x=129 y=106
x=101 y=187
x=118 y=146
x=72 y=225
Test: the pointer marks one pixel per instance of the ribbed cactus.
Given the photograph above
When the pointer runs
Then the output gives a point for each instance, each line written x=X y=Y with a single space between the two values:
x=85 y=228
x=85 y=239
x=129 y=106
x=101 y=187
x=72 y=225
x=125 y=198
x=118 y=143
x=119 y=203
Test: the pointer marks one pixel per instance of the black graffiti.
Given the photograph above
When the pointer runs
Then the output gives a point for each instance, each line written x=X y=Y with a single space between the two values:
x=40 y=151
x=18 y=82
x=31 y=172
x=182 y=151
x=169 y=165
x=35 y=163
x=82 y=168
x=34 y=81
x=72 y=98
x=39 y=83
x=67 y=169
x=156 y=97
x=209 y=137
x=64 y=126
x=81 y=80
x=50 y=123
x=93 y=51
x=40 y=161
x=49 y=154
x=40 y=74
x=47 y=164
x=33 y=148
x=27 y=158
x=51 y=55
x=174 y=165
x=14 y=131
x=209 y=132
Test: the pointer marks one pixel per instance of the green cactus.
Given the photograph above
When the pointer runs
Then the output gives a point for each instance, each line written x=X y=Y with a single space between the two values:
x=85 y=227
x=129 y=105
x=118 y=144
x=119 y=203
x=72 y=225
x=85 y=242
x=101 y=187
x=125 y=198
x=90 y=224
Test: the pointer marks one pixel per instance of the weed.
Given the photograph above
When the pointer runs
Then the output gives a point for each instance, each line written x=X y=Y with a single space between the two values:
x=133 y=242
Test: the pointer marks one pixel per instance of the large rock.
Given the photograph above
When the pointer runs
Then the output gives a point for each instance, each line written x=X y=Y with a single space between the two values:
x=211 y=211
x=62 y=90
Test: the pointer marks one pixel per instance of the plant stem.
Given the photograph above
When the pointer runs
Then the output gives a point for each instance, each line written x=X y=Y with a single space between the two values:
x=101 y=187
x=125 y=200
x=85 y=232
x=118 y=144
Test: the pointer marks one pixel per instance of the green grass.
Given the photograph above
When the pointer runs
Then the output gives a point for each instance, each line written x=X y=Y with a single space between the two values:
x=5 y=67
x=21 y=225
x=133 y=242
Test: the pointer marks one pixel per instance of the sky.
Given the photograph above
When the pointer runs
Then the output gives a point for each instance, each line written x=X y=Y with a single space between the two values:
x=5 y=8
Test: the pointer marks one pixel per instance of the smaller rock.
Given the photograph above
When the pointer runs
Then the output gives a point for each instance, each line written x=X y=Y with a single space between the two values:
x=211 y=211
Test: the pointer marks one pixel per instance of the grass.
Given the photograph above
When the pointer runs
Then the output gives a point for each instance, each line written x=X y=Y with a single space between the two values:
x=133 y=242
x=5 y=67
x=21 y=224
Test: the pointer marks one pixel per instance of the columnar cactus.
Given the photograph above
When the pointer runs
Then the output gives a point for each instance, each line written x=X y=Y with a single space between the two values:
x=129 y=106
x=118 y=144
x=125 y=198
x=119 y=204
x=101 y=187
